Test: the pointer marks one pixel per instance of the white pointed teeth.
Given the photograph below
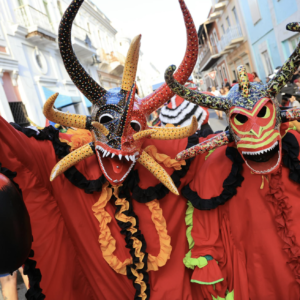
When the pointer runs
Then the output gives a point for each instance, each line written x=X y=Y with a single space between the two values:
x=112 y=155
x=132 y=157
x=120 y=156
x=127 y=157
x=104 y=153
x=262 y=151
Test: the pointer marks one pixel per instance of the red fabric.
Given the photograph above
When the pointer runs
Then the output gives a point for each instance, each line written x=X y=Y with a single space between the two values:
x=66 y=231
x=208 y=274
x=251 y=77
x=254 y=236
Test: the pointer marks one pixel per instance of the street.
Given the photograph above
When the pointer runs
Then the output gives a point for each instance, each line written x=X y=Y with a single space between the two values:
x=215 y=123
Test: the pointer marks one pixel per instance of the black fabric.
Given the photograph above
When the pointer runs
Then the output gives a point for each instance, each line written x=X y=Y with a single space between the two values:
x=34 y=275
x=159 y=191
x=61 y=150
x=230 y=185
x=124 y=193
x=290 y=159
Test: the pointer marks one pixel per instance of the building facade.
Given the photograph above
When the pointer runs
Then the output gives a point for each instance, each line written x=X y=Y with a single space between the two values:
x=271 y=43
x=223 y=45
x=31 y=68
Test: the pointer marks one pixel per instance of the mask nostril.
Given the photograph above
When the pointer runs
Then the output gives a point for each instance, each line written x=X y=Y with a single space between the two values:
x=126 y=144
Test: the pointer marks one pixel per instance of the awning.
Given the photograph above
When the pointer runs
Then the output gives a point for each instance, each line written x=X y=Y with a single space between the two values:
x=88 y=103
x=61 y=101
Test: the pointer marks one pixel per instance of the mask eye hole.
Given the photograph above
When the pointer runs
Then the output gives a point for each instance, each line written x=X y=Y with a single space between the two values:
x=136 y=126
x=105 y=118
x=241 y=118
x=263 y=112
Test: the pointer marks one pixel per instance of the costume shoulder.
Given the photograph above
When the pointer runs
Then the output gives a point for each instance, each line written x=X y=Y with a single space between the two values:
x=217 y=176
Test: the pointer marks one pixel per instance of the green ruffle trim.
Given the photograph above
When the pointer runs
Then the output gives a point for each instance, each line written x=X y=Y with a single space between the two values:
x=191 y=263
x=208 y=283
x=229 y=296
x=189 y=223
x=210 y=152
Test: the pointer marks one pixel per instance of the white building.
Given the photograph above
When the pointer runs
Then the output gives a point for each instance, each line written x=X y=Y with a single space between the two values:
x=31 y=68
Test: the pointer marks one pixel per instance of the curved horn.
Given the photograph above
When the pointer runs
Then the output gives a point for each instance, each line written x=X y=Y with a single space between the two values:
x=84 y=82
x=166 y=133
x=288 y=69
x=244 y=82
x=65 y=119
x=158 y=171
x=193 y=96
x=218 y=140
x=72 y=159
x=163 y=94
x=131 y=64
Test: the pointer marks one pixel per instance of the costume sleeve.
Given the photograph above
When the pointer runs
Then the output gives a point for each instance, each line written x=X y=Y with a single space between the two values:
x=21 y=152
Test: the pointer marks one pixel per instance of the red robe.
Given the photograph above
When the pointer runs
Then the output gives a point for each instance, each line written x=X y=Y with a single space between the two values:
x=66 y=232
x=254 y=236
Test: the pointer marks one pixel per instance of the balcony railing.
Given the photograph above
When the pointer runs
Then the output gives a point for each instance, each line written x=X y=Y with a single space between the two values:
x=29 y=16
x=231 y=34
x=206 y=54
x=80 y=32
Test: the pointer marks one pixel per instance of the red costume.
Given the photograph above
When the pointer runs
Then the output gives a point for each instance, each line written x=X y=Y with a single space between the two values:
x=242 y=217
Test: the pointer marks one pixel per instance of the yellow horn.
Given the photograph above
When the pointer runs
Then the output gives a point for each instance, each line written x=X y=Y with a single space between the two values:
x=173 y=133
x=158 y=171
x=131 y=64
x=72 y=159
x=142 y=134
x=64 y=119
x=100 y=127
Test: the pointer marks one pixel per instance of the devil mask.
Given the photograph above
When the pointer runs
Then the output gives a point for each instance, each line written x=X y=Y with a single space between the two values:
x=253 y=113
x=118 y=120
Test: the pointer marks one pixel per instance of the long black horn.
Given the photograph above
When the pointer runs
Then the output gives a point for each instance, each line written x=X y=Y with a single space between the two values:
x=193 y=96
x=84 y=82
x=288 y=69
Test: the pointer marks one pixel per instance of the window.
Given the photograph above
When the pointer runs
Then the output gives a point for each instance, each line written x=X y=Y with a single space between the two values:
x=267 y=62
x=40 y=61
x=223 y=29
x=235 y=16
x=224 y=71
x=59 y=7
x=234 y=74
x=46 y=9
x=254 y=10
x=293 y=42
x=228 y=22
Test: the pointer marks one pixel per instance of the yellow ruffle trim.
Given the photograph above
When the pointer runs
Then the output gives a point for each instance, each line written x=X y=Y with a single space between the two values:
x=108 y=243
x=79 y=138
x=164 y=159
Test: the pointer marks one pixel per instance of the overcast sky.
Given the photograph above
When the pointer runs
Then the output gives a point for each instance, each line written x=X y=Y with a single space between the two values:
x=159 y=21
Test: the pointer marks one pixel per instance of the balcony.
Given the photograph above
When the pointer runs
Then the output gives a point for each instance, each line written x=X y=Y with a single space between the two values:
x=219 y=7
x=232 y=37
x=81 y=42
x=208 y=57
x=112 y=63
x=40 y=30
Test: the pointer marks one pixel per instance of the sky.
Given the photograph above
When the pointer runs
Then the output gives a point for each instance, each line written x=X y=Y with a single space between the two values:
x=159 y=21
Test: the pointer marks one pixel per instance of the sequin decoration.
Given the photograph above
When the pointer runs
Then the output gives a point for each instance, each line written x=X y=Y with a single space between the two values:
x=159 y=172
x=72 y=159
x=64 y=119
x=163 y=94
x=131 y=64
x=193 y=96
x=290 y=115
x=211 y=144
x=288 y=69
x=243 y=81
x=84 y=82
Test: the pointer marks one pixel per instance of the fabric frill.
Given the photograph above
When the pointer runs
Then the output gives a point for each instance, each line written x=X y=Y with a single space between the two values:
x=61 y=150
x=280 y=202
x=230 y=185
x=34 y=274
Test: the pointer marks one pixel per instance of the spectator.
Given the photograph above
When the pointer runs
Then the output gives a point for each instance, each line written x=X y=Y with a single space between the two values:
x=227 y=89
x=296 y=75
x=222 y=91
x=256 y=78
x=217 y=94
x=268 y=78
